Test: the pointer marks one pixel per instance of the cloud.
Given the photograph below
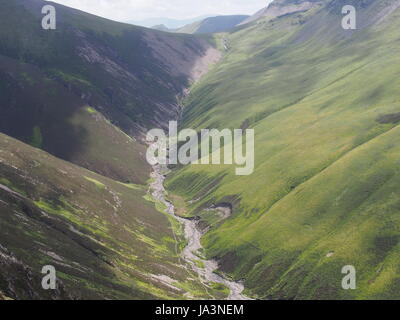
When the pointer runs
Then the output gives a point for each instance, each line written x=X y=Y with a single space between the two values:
x=124 y=10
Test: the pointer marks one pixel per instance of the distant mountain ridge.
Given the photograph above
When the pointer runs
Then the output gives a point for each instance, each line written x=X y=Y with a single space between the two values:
x=161 y=27
x=279 y=8
x=168 y=22
x=213 y=24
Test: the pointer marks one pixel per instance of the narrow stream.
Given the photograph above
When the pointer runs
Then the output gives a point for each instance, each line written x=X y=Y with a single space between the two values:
x=193 y=236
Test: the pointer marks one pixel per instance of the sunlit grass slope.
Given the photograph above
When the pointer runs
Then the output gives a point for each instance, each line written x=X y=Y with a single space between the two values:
x=325 y=105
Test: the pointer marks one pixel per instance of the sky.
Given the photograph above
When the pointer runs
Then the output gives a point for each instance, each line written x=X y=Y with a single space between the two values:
x=136 y=10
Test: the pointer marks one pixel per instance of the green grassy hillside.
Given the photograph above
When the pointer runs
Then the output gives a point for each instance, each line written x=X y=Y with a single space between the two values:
x=324 y=104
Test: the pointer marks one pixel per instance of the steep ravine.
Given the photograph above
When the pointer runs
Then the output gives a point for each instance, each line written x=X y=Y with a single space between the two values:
x=193 y=236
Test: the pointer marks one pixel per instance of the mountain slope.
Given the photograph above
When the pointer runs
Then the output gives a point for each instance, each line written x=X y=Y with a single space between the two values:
x=213 y=24
x=280 y=8
x=160 y=27
x=105 y=238
x=132 y=76
x=168 y=22
x=324 y=105
x=85 y=93
x=42 y=112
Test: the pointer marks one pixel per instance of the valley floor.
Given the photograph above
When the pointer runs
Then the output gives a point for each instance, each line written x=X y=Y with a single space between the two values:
x=206 y=269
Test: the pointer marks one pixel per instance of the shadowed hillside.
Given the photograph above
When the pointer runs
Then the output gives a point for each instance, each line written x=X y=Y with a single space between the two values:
x=105 y=238
x=131 y=75
x=85 y=93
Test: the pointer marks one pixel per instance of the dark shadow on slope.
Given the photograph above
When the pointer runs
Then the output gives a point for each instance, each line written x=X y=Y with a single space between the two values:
x=38 y=111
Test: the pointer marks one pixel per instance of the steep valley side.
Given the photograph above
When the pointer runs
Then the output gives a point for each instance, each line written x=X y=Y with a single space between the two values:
x=323 y=103
x=131 y=77
x=73 y=187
